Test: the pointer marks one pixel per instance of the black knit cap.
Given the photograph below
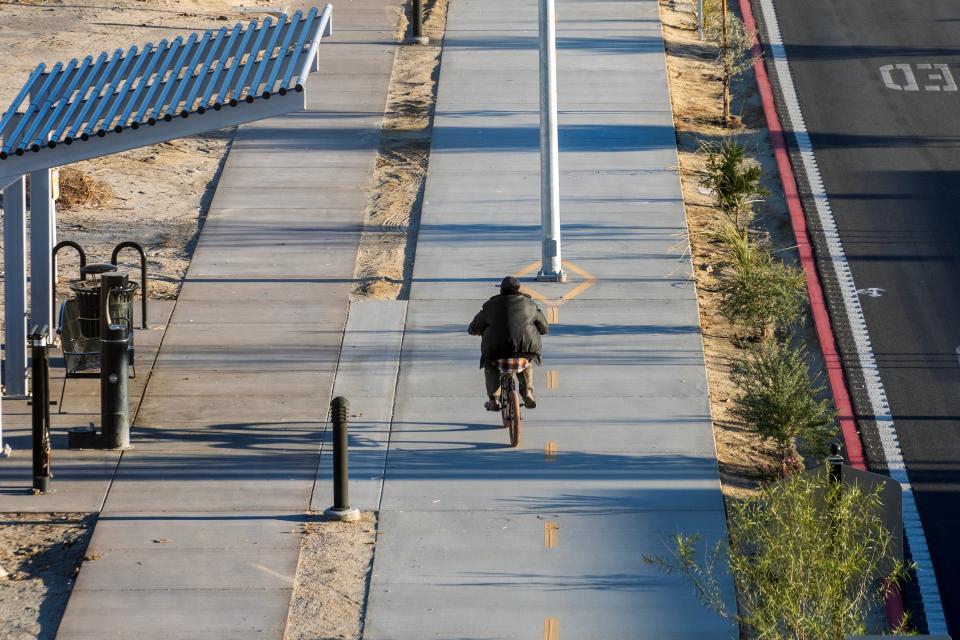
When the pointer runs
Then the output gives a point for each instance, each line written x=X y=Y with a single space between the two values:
x=509 y=285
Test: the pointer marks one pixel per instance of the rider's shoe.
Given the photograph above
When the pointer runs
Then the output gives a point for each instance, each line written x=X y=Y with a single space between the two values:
x=529 y=401
x=492 y=405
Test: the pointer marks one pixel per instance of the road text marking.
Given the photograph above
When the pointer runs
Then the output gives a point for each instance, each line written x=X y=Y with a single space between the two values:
x=550 y=534
x=901 y=77
x=550 y=449
x=587 y=281
x=553 y=379
x=551 y=629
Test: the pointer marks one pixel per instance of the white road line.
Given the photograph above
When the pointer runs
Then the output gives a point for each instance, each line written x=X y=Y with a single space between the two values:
x=926 y=577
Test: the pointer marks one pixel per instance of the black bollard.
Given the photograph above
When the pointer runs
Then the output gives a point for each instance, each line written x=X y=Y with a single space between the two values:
x=340 y=416
x=114 y=363
x=340 y=411
x=114 y=386
x=40 y=393
x=417 y=17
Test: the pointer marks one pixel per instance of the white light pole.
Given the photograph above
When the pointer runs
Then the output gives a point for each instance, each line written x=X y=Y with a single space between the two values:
x=550 y=269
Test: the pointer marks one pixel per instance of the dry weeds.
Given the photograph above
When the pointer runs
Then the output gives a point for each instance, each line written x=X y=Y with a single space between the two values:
x=385 y=258
x=77 y=189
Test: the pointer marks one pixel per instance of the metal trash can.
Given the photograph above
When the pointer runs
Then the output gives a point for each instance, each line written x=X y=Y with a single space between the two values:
x=87 y=295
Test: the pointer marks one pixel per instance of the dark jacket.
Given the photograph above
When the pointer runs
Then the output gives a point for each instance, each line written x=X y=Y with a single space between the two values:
x=511 y=325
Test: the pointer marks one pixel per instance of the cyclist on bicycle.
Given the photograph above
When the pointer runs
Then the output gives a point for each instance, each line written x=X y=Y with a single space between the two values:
x=511 y=325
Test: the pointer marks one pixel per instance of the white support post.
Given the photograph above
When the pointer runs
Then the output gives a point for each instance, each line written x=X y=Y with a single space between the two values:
x=15 y=287
x=54 y=194
x=42 y=225
x=551 y=267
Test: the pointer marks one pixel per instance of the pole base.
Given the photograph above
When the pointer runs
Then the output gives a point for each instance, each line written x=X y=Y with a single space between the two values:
x=41 y=485
x=552 y=277
x=342 y=515
x=422 y=40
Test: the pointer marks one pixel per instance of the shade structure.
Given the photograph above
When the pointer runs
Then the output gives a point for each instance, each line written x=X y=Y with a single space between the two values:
x=109 y=103
x=113 y=102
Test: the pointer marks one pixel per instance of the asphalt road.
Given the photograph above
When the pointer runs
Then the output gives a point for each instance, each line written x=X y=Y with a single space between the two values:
x=890 y=160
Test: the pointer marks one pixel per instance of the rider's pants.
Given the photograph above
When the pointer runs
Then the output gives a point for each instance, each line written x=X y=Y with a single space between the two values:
x=492 y=376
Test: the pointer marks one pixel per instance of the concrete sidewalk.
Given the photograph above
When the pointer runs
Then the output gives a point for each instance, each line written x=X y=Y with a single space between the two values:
x=200 y=531
x=481 y=541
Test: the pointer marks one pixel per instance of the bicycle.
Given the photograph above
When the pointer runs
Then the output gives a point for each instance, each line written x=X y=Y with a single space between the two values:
x=509 y=395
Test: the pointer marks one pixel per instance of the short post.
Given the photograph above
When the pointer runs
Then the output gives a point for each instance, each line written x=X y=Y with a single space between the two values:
x=834 y=479
x=41 y=411
x=700 y=20
x=418 y=37
x=339 y=415
x=114 y=374
x=835 y=464
x=5 y=449
x=551 y=269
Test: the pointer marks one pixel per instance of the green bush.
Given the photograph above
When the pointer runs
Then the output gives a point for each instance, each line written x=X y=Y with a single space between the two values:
x=759 y=291
x=778 y=400
x=803 y=571
x=734 y=180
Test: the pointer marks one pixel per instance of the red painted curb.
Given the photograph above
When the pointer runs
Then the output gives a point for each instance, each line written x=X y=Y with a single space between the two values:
x=821 y=317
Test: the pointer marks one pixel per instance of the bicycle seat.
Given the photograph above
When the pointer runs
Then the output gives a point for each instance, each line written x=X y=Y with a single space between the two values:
x=511 y=365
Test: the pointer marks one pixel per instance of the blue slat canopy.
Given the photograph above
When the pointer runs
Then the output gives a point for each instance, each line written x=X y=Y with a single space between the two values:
x=78 y=110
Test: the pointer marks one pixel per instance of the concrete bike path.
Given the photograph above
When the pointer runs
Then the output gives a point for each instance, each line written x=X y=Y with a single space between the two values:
x=478 y=540
x=200 y=531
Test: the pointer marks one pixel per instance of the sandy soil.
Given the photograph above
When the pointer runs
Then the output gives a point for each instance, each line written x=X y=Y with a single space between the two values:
x=40 y=556
x=160 y=192
x=697 y=108
x=330 y=591
x=385 y=259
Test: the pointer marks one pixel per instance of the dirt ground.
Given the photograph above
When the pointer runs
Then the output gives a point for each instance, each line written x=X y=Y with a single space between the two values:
x=385 y=259
x=159 y=192
x=330 y=590
x=696 y=91
x=40 y=555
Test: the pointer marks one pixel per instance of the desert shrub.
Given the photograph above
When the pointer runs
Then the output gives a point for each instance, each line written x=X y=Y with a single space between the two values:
x=734 y=180
x=759 y=291
x=779 y=401
x=805 y=557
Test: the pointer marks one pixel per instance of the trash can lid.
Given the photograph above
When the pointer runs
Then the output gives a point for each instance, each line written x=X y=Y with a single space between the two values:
x=98 y=268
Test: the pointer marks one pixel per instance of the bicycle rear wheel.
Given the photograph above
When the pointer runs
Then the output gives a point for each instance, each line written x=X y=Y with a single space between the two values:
x=513 y=402
x=506 y=384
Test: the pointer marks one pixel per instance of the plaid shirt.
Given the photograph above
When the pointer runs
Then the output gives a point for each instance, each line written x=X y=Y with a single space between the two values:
x=511 y=365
